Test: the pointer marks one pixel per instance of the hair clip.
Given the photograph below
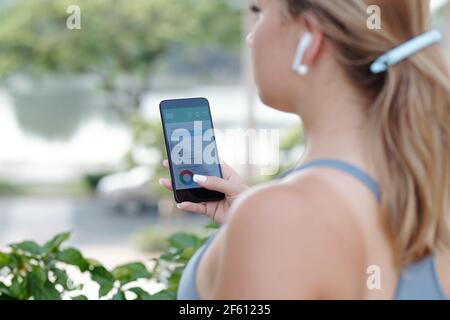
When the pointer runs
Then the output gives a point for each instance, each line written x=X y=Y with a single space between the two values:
x=405 y=50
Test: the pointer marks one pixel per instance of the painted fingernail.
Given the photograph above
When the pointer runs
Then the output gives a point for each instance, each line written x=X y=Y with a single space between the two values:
x=199 y=178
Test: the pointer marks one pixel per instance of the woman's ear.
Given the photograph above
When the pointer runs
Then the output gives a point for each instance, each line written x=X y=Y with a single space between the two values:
x=313 y=51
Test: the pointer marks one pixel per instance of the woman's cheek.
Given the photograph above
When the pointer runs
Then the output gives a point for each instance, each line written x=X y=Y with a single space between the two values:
x=259 y=54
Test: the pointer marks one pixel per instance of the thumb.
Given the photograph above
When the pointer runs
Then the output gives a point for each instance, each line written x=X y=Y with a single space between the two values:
x=218 y=184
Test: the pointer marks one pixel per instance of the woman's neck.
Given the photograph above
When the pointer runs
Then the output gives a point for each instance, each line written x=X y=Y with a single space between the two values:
x=337 y=127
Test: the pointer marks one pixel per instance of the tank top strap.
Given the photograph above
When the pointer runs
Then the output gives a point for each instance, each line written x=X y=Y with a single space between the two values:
x=345 y=167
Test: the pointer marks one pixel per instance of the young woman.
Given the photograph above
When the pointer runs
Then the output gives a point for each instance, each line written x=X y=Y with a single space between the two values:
x=373 y=192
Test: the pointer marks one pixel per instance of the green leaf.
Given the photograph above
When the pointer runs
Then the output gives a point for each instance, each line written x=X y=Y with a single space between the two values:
x=73 y=257
x=80 y=297
x=131 y=272
x=18 y=261
x=61 y=278
x=140 y=293
x=4 y=292
x=174 y=278
x=49 y=292
x=184 y=241
x=93 y=263
x=5 y=259
x=54 y=243
x=104 y=278
x=163 y=295
x=187 y=254
x=39 y=287
x=169 y=255
x=39 y=274
x=120 y=295
x=212 y=225
x=3 y=287
x=29 y=247
x=18 y=288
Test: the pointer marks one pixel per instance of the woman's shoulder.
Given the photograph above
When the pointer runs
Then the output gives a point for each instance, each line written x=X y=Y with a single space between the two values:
x=307 y=196
x=303 y=221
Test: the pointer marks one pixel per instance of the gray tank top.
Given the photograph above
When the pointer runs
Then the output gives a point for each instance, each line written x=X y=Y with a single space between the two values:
x=418 y=281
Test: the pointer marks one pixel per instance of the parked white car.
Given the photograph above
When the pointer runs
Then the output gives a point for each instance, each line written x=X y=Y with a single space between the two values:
x=128 y=192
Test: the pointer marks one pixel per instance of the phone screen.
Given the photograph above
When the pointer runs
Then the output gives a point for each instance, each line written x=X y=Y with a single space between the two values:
x=191 y=147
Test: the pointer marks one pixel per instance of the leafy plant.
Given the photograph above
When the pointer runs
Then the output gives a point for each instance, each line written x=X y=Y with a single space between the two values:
x=155 y=238
x=170 y=265
x=43 y=272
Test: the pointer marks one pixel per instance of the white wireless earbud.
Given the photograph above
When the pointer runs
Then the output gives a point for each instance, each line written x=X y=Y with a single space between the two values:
x=298 y=66
x=250 y=37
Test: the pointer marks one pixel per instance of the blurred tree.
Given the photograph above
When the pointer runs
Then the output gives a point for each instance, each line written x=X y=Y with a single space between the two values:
x=119 y=40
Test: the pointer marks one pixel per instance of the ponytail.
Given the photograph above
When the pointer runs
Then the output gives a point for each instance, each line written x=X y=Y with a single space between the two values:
x=410 y=115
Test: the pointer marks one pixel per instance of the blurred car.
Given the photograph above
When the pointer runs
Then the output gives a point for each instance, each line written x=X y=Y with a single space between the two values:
x=128 y=192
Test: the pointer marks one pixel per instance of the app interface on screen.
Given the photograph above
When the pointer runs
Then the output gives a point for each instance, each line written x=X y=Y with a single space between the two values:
x=191 y=143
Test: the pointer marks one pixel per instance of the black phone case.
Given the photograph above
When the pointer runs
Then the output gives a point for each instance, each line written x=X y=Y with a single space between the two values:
x=196 y=195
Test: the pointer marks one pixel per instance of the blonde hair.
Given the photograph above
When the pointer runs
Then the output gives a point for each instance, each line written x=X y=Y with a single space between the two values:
x=410 y=115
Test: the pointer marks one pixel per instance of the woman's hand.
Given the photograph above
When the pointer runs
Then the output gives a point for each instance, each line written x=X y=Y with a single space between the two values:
x=231 y=185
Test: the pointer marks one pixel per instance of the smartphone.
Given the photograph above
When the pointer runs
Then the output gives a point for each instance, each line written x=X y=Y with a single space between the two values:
x=191 y=147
